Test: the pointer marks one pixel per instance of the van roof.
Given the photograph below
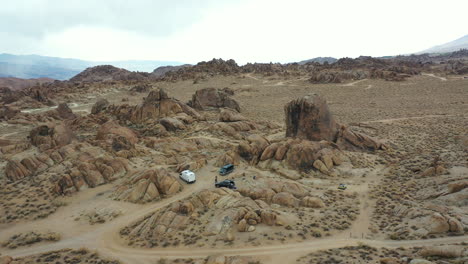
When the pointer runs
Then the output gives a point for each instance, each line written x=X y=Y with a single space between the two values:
x=228 y=166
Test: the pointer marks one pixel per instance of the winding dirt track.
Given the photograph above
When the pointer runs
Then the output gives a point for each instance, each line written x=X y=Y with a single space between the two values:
x=107 y=241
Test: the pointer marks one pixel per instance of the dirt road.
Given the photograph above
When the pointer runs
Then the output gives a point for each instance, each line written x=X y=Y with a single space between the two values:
x=105 y=238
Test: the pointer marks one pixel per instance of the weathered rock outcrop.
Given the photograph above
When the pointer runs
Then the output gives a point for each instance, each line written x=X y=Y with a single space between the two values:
x=313 y=139
x=112 y=129
x=309 y=118
x=157 y=105
x=62 y=112
x=146 y=186
x=15 y=170
x=451 y=251
x=82 y=167
x=230 y=209
x=229 y=115
x=51 y=136
x=7 y=112
x=99 y=106
x=213 y=98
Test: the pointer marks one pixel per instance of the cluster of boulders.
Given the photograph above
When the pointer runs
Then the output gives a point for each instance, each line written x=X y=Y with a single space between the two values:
x=231 y=210
x=313 y=139
x=146 y=186
x=284 y=193
x=81 y=167
x=117 y=139
x=170 y=113
x=14 y=115
x=421 y=222
x=184 y=154
x=202 y=69
x=233 y=124
x=240 y=210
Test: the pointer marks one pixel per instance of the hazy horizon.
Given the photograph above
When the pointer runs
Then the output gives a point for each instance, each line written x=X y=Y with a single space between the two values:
x=246 y=31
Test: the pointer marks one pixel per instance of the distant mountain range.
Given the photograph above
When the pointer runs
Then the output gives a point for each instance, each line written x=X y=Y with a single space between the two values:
x=320 y=60
x=35 y=66
x=461 y=43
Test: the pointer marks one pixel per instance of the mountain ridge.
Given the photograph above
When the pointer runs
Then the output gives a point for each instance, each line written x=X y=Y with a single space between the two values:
x=36 y=66
x=455 y=45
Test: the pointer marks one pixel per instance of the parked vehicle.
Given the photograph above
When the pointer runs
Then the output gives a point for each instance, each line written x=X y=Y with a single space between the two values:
x=188 y=176
x=226 y=184
x=342 y=186
x=226 y=169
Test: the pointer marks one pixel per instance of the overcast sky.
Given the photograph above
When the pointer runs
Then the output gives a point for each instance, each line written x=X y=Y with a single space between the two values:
x=246 y=30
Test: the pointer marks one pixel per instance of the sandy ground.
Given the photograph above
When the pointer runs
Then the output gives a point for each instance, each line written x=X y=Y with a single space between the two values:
x=362 y=102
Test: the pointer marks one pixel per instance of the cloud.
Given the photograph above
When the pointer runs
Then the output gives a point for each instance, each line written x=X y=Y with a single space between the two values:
x=157 y=18
x=248 y=31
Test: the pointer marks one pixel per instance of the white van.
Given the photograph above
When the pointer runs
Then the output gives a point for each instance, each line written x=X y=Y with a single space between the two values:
x=187 y=176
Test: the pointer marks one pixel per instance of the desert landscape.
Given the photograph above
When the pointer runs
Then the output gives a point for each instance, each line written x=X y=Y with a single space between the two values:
x=361 y=160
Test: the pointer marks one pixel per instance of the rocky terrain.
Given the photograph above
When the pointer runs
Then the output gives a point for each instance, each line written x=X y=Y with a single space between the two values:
x=94 y=162
x=19 y=84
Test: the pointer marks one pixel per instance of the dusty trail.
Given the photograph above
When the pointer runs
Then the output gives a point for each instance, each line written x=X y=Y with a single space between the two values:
x=435 y=76
x=92 y=238
x=107 y=241
x=391 y=120
x=115 y=250
x=353 y=83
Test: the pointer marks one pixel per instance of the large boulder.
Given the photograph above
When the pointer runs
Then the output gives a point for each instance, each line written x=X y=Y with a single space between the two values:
x=312 y=202
x=64 y=112
x=229 y=115
x=351 y=140
x=213 y=98
x=285 y=199
x=15 y=170
x=7 y=112
x=172 y=124
x=6 y=260
x=99 y=106
x=112 y=129
x=252 y=149
x=51 y=136
x=451 y=251
x=309 y=118
x=436 y=224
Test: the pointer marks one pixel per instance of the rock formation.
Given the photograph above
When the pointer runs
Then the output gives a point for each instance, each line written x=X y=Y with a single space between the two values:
x=99 y=106
x=147 y=186
x=156 y=107
x=206 y=98
x=313 y=140
x=309 y=118
x=51 y=136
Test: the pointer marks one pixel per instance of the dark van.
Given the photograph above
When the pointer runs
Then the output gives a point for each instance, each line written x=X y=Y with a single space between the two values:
x=226 y=169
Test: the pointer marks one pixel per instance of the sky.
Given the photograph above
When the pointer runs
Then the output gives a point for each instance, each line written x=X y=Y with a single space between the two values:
x=190 y=31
